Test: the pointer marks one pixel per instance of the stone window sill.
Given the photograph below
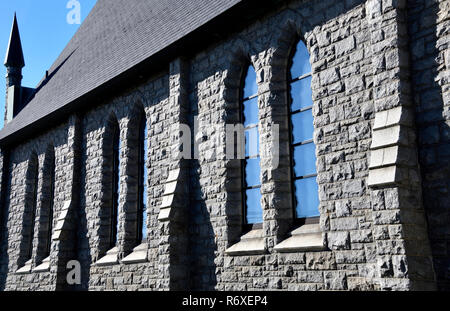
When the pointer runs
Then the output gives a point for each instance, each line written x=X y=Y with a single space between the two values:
x=139 y=255
x=26 y=268
x=251 y=243
x=44 y=266
x=111 y=258
x=305 y=238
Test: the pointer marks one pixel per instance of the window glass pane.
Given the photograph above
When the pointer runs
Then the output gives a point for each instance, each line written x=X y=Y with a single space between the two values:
x=145 y=181
x=306 y=193
x=252 y=142
x=118 y=170
x=300 y=62
x=301 y=94
x=250 y=86
x=253 y=203
x=304 y=160
x=252 y=170
x=250 y=111
x=52 y=203
x=144 y=218
x=302 y=126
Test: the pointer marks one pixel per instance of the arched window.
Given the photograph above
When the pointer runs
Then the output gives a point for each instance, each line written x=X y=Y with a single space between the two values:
x=51 y=190
x=303 y=157
x=143 y=176
x=251 y=164
x=116 y=146
x=33 y=177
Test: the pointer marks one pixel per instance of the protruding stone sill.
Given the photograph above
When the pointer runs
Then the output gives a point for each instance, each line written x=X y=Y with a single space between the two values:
x=305 y=238
x=26 y=268
x=111 y=258
x=251 y=243
x=139 y=255
x=44 y=266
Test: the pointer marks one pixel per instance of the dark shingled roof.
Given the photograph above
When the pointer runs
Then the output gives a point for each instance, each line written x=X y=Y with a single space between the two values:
x=115 y=37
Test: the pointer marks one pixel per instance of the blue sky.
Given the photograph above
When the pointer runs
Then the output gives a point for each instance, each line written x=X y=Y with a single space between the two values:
x=44 y=31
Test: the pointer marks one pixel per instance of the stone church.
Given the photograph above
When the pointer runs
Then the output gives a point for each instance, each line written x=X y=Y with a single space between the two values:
x=116 y=171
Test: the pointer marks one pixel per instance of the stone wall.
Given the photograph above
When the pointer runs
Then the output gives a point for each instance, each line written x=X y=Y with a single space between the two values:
x=372 y=224
x=429 y=28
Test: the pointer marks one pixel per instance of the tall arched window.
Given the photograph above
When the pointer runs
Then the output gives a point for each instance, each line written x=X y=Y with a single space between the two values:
x=303 y=157
x=115 y=185
x=143 y=176
x=251 y=164
x=33 y=177
x=52 y=204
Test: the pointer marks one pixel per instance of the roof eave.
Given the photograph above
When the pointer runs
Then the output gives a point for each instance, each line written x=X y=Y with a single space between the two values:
x=215 y=29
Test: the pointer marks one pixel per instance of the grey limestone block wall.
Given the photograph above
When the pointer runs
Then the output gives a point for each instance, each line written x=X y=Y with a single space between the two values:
x=373 y=225
x=429 y=28
x=370 y=240
x=338 y=37
x=152 y=98
x=53 y=143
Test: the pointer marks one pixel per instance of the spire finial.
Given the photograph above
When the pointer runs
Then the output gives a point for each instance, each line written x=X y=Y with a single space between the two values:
x=14 y=54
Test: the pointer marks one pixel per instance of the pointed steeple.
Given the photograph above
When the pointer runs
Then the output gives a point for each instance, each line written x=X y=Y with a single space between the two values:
x=14 y=54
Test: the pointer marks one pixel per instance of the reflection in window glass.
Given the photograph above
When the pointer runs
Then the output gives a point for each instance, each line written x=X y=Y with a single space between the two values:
x=251 y=112
x=300 y=62
x=306 y=199
x=302 y=126
x=143 y=180
x=251 y=142
x=250 y=86
x=305 y=160
x=254 y=210
x=301 y=94
x=252 y=170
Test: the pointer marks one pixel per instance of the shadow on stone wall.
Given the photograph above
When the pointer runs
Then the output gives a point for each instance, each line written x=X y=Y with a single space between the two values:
x=83 y=250
x=4 y=235
x=202 y=237
x=432 y=117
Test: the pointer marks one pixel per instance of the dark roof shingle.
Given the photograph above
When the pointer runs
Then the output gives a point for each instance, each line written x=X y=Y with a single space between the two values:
x=116 y=36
